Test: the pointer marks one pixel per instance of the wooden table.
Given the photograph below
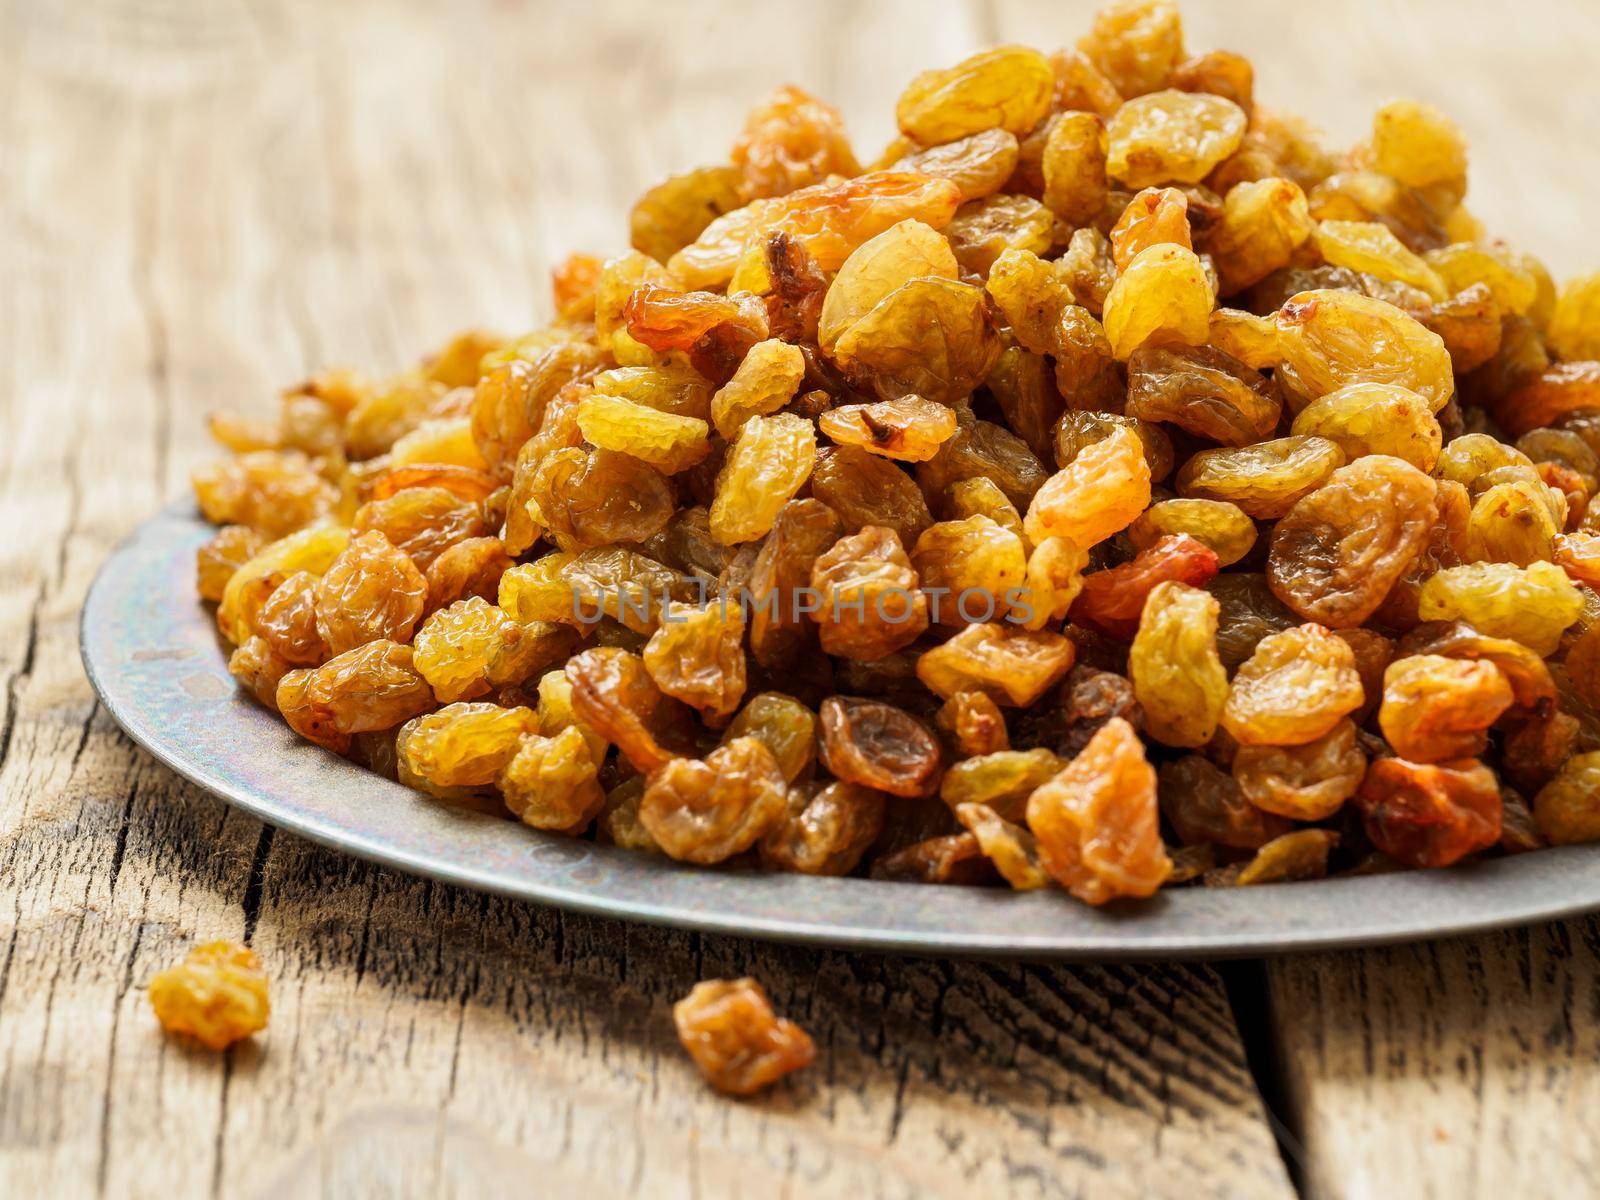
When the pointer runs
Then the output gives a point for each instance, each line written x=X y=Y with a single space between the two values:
x=199 y=202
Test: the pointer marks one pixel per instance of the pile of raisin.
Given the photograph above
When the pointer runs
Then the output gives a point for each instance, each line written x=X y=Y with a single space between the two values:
x=1105 y=486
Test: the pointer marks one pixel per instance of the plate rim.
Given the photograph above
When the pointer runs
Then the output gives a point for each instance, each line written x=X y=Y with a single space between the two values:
x=1186 y=923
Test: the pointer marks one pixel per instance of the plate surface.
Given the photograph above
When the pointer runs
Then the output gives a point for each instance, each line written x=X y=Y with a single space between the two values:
x=153 y=656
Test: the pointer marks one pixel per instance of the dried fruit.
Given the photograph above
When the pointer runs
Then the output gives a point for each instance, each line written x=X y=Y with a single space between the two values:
x=1010 y=88
x=462 y=745
x=1001 y=781
x=865 y=489
x=1111 y=601
x=552 y=782
x=879 y=746
x=613 y=694
x=1308 y=782
x=1101 y=492
x=1162 y=296
x=1293 y=689
x=968 y=569
x=1207 y=807
x=791 y=141
x=738 y=1042
x=217 y=995
x=1568 y=807
x=909 y=429
x=1430 y=814
x=1171 y=137
x=1012 y=849
x=974 y=724
x=707 y=811
x=1266 y=479
x=1177 y=677
x=1331 y=339
x=1437 y=708
x=1097 y=821
x=1203 y=391
x=826 y=833
x=696 y=656
x=1339 y=550
x=767 y=464
x=1225 y=529
x=1374 y=418
x=1533 y=605
x=1122 y=381
x=1013 y=666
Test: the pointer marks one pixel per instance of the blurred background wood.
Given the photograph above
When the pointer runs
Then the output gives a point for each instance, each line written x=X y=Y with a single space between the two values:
x=201 y=202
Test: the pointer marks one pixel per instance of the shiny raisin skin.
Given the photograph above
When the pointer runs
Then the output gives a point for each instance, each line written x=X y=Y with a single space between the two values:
x=738 y=1042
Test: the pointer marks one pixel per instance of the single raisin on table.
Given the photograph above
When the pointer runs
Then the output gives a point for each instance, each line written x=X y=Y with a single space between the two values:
x=216 y=995
x=738 y=1042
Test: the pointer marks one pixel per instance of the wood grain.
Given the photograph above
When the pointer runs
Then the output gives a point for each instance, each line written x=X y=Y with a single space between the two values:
x=202 y=203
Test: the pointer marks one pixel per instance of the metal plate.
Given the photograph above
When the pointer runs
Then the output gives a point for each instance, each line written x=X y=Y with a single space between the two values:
x=153 y=656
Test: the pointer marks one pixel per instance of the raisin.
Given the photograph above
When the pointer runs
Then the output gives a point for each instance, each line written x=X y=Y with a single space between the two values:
x=909 y=429
x=1339 y=550
x=1293 y=689
x=1097 y=821
x=1533 y=605
x=1100 y=493
x=972 y=565
x=697 y=656
x=825 y=833
x=227 y=550
x=1177 y=677
x=1008 y=88
x=1172 y=137
x=708 y=811
x=983 y=230
x=1203 y=391
x=1012 y=849
x=1072 y=166
x=1375 y=418
x=1207 y=806
x=868 y=604
x=738 y=1042
x=1266 y=479
x=973 y=724
x=1112 y=601
x=978 y=165
x=865 y=489
x=216 y=995
x=1162 y=296
x=371 y=591
x=1001 y=781
x=1225 y=529
x=1330 y=339
x=954 y=858
x=287 y=621
x=1264 y=221
x=1568 y=807
x=802 y=532
x=1309 y=782
x=613 y=694
x=552 y=783
x=930 y=336
x=791 y=141
x=879 y=746
x=1014 y=667
x=1430 y=814
x=767 y=464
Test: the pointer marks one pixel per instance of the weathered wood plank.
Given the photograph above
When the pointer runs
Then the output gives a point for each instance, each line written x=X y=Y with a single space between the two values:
x=202 y=203
x=1464 y=1068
